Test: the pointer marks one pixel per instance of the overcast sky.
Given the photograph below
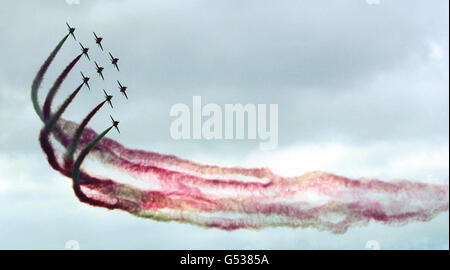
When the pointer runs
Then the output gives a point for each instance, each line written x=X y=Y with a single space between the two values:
x=362 y=90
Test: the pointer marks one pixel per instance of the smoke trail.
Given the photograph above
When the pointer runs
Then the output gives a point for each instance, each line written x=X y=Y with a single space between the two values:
x=40 y=75
x=76 y=137
x=166 y=188
x=52 y=92
x=77 y=165
x=44 y=134
x=132 y=160
x=61 y=109
x=320 y=200
x=79 y=177
x=233 y=203
x=51 y=126
x=147 y=158
x=49 y=150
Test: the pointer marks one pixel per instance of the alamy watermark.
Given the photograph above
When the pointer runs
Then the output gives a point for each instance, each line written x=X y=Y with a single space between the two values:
x=373 y=2
x=226 y=124
x=73 y=2
x=72 y=244
x=373 y=245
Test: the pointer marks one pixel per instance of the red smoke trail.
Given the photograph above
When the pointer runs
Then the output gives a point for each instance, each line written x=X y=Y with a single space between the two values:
x=130 y=159
x=49 y=150
x=167 y=188
x=85 y=179
x=62 y=108
x=77 y=135
x=56 y=86
x=321 y=200
x=44 y=134
x=51 y=127
x=52 y=158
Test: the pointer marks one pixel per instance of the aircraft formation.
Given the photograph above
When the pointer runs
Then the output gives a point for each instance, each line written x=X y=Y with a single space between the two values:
x=99 y=70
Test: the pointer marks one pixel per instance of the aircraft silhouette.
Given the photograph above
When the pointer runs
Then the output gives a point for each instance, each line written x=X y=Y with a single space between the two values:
x=115 y=123
x=99 y=70
x=85 y=51
x=114 y=61
x=108 y=98
x=85 y=80
x=123 y=89
x=98 y=40
x=71 y=30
